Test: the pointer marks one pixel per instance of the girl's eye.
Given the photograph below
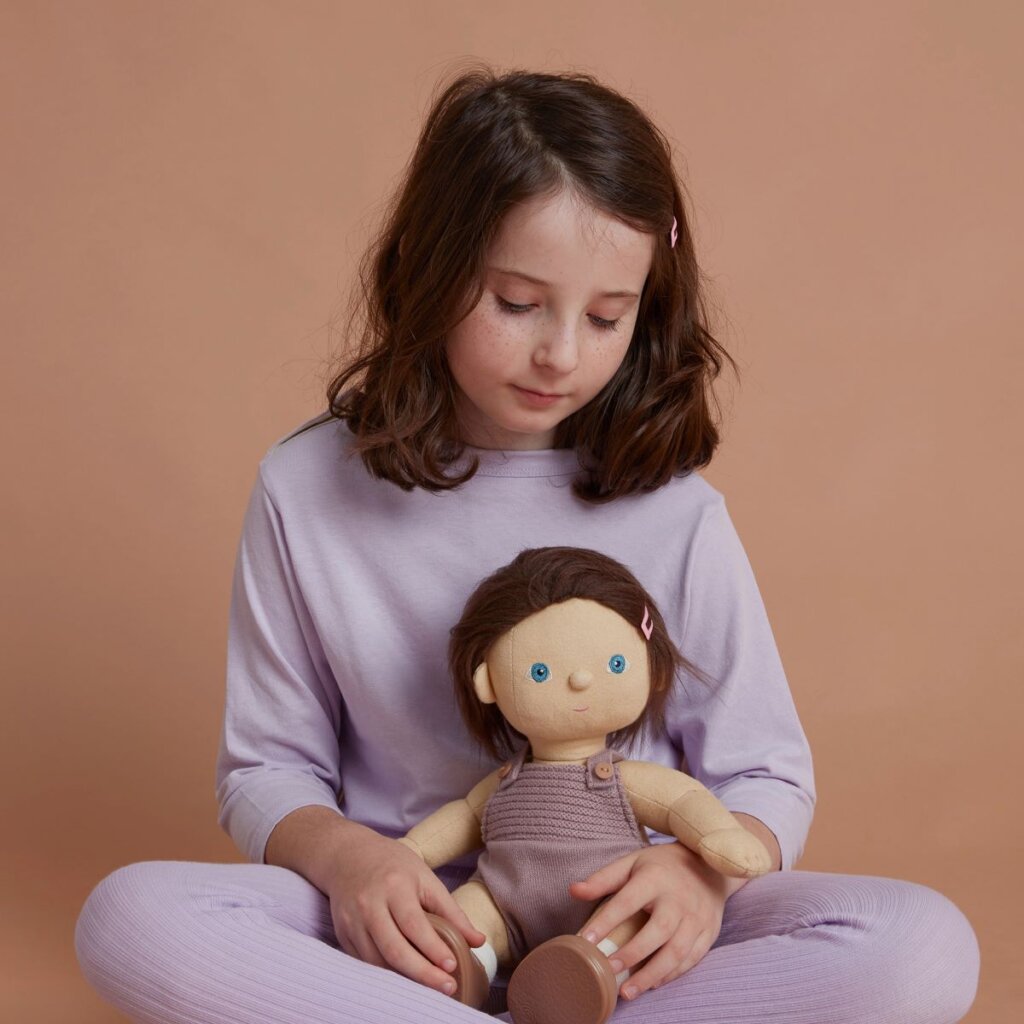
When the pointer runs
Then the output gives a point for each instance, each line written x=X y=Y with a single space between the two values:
x=511 y=307
x=539 y=672
x=601 y=324
x=617 y=663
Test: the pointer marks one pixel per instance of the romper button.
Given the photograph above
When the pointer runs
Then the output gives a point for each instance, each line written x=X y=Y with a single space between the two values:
x=503 y=771
x=603 y=770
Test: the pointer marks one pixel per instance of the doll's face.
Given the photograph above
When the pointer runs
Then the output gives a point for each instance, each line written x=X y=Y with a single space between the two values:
x=572 y=671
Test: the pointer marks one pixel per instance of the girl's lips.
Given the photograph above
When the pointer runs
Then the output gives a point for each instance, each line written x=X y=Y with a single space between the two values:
x=537 y=398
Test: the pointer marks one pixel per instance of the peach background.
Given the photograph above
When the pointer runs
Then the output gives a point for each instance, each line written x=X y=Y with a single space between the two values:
x=186 y=189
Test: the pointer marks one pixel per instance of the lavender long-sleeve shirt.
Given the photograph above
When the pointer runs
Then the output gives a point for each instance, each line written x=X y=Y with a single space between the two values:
x=344 y=591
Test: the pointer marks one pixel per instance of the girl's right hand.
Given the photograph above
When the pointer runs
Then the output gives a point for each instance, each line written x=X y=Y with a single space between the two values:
x=379 y=895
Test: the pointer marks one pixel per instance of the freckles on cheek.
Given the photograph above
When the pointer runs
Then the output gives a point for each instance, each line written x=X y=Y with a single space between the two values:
x=497 y=336
x=489 y=346
x=613 y=355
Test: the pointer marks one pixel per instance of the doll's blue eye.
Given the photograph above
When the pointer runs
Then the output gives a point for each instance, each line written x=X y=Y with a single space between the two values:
x=539 y=672
x=617 y=663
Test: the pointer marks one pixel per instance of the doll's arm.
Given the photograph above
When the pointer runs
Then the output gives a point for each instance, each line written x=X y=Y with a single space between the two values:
x=673 y=803
x=454 y=828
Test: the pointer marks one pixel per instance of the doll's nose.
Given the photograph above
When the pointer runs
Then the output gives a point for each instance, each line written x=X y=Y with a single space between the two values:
x=580 y=679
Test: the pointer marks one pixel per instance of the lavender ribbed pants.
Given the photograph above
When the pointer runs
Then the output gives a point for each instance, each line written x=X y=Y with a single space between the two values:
x=173 y=941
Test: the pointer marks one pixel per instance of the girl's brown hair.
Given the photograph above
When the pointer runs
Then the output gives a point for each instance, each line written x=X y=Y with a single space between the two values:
x=535 y=579
x=488 y=143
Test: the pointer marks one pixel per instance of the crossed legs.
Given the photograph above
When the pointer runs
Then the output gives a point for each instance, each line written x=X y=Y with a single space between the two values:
x=170 y=942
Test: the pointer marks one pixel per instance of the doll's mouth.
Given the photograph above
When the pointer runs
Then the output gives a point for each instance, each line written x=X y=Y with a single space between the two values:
x=587 y=708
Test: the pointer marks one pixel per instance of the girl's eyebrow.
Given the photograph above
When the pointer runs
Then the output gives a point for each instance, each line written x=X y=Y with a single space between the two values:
x=545 y=284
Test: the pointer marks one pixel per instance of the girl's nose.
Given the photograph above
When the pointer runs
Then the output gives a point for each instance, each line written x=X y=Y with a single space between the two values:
x=580 y=679
x=559 y=351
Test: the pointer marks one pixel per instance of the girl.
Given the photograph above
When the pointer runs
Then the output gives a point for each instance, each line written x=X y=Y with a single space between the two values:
x=535 y=370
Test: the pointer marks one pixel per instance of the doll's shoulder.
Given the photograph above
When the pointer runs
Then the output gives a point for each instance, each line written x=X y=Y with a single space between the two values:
x=653 y=781
x=484 y=790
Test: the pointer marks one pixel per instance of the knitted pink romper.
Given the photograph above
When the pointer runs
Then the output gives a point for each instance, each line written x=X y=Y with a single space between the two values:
x=547 y=825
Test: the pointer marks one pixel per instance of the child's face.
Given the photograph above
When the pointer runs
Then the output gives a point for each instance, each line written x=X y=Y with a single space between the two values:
x=504 y=361
x=576 y=670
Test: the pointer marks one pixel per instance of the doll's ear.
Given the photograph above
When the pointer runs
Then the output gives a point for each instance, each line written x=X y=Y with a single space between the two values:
x=482 y=684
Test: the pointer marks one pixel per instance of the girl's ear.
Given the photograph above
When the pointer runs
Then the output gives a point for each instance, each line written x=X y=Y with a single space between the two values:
x=482 y=684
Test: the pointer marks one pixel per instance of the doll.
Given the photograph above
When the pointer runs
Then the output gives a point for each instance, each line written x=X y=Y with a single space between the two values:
x=562 y=656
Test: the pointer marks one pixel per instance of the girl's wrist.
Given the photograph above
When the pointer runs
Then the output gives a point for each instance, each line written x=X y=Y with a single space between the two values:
x=311 y=840
x=413 y=845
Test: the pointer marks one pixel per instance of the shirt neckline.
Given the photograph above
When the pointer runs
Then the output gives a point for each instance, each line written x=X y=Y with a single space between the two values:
x=523 y=463
x=532 y=462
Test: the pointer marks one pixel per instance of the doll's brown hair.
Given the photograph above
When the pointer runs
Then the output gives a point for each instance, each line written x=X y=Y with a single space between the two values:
x=488 y=143
x=535 y=579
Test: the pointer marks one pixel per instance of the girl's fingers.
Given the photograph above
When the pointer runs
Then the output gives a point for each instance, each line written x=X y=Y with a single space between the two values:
x=612 y=876
x=700 y=950
x=360 y=944
x=346 y=944
x=664 y=923
x=633 y=896
x=403 y=957
x=678 y=953
x=413 y=924
x=440 y=901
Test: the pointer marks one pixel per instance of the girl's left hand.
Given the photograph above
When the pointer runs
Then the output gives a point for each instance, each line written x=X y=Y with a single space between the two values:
x=684 y=898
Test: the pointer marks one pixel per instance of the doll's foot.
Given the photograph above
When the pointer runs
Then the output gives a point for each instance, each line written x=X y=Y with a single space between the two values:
x=471 y=983
x=566 y=980
x=735 y=852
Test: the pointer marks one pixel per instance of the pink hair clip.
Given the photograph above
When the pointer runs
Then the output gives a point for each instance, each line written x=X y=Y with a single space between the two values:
x=675 y=233
x=647 y=626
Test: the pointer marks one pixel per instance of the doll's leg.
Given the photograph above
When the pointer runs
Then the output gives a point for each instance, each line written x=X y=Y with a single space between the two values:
x=170 y=942
x=475 y=899
x=475 y=967
x=621 y=933
x=804 y=947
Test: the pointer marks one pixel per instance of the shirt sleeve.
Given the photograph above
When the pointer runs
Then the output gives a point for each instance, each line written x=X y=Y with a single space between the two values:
x=740 y=734
x=282 y=714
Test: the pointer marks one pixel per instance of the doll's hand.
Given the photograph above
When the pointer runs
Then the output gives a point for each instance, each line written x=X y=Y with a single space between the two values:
x=735 y=852
x=379 y=896
x=684 y=897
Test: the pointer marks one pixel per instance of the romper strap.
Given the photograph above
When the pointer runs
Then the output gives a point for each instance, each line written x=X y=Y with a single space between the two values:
x=509 y=771
x=601 y=773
